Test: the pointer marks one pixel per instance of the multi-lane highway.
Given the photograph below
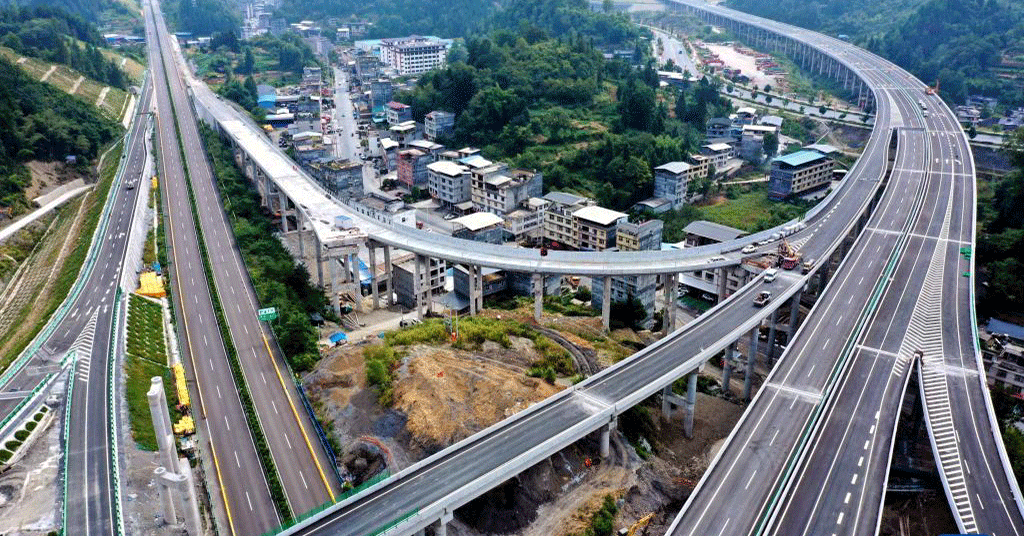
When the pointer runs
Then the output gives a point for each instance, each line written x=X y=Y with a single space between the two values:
x=301 y=463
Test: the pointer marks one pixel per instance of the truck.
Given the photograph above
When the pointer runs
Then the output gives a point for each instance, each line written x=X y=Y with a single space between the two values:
x=762 y=298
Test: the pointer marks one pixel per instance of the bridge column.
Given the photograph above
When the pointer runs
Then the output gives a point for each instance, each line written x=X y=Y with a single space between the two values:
x=770 y=354
x=479 y=289
x=668 y=319
x=319 y=261
x=335 y=295
x=441 y=529
x=352 y=260
x=538 y=296
x=417 y=284
x=691 y=403
x=722 y=279
x=302 y=240
x=794 y=313
x=727 y=363
x=606 y=304
x=373 y=275
x=388 y=280
x=606 y=438
x=666 y=402
x=748 y=380
x=282 y=202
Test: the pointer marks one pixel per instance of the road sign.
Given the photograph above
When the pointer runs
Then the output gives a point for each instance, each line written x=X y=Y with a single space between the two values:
x=268 y=314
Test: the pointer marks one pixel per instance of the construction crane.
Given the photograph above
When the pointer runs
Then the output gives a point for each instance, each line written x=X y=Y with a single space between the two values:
x=635 y=529
x=929 y=90
x=789 y=256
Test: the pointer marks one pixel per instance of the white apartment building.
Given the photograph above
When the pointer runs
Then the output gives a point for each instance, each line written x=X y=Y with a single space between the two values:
x=559 y=225
x=499 y=190
x=448 y=182
x=414 y=54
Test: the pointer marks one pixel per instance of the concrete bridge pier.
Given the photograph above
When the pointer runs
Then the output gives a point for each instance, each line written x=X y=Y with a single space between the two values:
x=372 y=248
x=476 y=289
x=441 y=528
x=770 y=354
x=794 y=314
x=669 y=313
x=417 y=283
x=606 y=437
x=748 y=380
x=690 y=404
x=606 y=303
x=538 y=296
x=727 y=364
x=389 y=282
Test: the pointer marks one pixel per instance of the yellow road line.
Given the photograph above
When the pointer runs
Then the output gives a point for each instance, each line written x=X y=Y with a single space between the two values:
x=295 y=412
x=188 y=339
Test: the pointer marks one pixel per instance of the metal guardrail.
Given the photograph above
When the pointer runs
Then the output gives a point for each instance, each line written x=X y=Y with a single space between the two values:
x=67 y=425
x=87 y=267
x=112 y=412
x=24 y=402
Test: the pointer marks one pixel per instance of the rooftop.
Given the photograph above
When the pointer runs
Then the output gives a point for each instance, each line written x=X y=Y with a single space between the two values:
x=426 y=145
x=388 y=143
x=446 y=167
x=759 y=128
x=478 y=220
x=772 y=120
x=674 y=167
x=563 y=198
x=476 y=161
x=498 y=180
x=799 y=158
x=823 y=148
x=713 y=231
x=397 y=105
x=599 y=215
x=718 y=146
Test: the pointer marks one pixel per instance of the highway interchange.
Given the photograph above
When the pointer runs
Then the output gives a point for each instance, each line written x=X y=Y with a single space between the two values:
x=900 y=284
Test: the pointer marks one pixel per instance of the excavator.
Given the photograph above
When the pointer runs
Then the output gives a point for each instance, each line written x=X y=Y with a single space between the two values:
x=789 y=257
x=638 y=528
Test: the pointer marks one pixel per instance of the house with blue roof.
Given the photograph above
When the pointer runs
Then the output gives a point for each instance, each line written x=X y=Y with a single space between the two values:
x=799 y=173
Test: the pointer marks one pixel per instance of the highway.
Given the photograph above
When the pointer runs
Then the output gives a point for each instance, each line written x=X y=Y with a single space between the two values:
x=305 y=472
x=841 y=482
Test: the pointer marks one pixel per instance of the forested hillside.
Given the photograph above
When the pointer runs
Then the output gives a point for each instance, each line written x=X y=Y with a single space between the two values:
x=961 y=43
x=1001 y=237
x=56 y=36
x=38 y=122
x=445 y=18
x=203 y=17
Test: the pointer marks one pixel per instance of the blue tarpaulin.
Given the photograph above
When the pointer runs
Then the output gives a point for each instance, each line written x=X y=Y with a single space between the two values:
x=338 y=337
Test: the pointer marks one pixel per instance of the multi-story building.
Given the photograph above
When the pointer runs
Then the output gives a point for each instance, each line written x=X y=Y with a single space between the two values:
x=438 y=124
x=800 y=172
x=526 y=224
x=381 y=92
x=404 y=133
x=448 y=182
x=559 y=225
x=432 y=280
x=398 y=113
x=342 y=178
x=745 y=116
x=1002 y=351
x=480 y=227
x=389 y=153
x=752 y=141
x=719 y=153
x=644 y=236
x=595 y=227
x=415 y=54
x=707 y=283
x=720 y=127
x=672 y=179
x=499 y=190
x=428 y=147
x=412 y=168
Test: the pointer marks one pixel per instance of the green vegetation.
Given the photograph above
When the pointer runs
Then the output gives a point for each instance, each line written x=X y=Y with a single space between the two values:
x=146 y=358
x=265 y=58
x=933 y=39
x=1001 y=238
x=39 y=122
x=743 y=206
x=31 y=425
x=279 y=281
x=5 y=455
x=380 y=362
x=66 y=277
x=21 y=435
x=602 y=522
x=446 y=18
x=55 y=36
x=202 y=17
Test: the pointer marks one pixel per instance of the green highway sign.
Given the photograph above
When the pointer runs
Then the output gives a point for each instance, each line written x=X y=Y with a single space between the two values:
x=268 y=314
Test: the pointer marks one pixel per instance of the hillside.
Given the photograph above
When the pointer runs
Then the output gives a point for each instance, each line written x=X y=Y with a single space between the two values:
x=970 y=46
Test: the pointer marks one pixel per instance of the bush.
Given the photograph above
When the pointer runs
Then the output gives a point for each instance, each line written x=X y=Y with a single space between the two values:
x=12 y=445
x=546 y=373
x=5 y=455
x=30 y=425
x=380 y=361
x=601 y=524
x=21 y=435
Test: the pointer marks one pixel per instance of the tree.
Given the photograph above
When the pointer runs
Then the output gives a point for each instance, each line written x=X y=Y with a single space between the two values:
x=771 y=144
x=972 y=132
x=607 y=6
x=822 y=110
x=248 y=62
x=767 y=88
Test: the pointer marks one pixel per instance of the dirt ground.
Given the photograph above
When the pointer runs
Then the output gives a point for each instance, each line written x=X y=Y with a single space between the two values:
x=28 y=490
x=48 y=175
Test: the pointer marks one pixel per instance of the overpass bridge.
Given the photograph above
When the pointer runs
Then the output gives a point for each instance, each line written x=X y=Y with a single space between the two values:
x=797 y=399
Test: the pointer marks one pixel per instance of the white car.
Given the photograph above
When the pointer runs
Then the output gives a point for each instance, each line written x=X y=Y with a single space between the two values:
x=770 y=275
x=749 y=248
x=716 y=258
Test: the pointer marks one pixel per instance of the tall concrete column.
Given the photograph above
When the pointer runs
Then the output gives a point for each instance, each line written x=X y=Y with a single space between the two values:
x=388 y=279
x=666 y=402
x=441 y=529
x=722 y=278
x=669 y=314
x=606 y=438
x=727 y=362
x=538 y=296
x=770 y=354
x=335 y=295
x=373 y=275
x=691 y=403
x=194 y=523
x=352 y=260
x=479 y=288
x=302 y=238
x=794 y=313
x=417 y=284
x=472 y=289
x=748 y=381
x=282 y=202
x=165 y=441
x=606 y=303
